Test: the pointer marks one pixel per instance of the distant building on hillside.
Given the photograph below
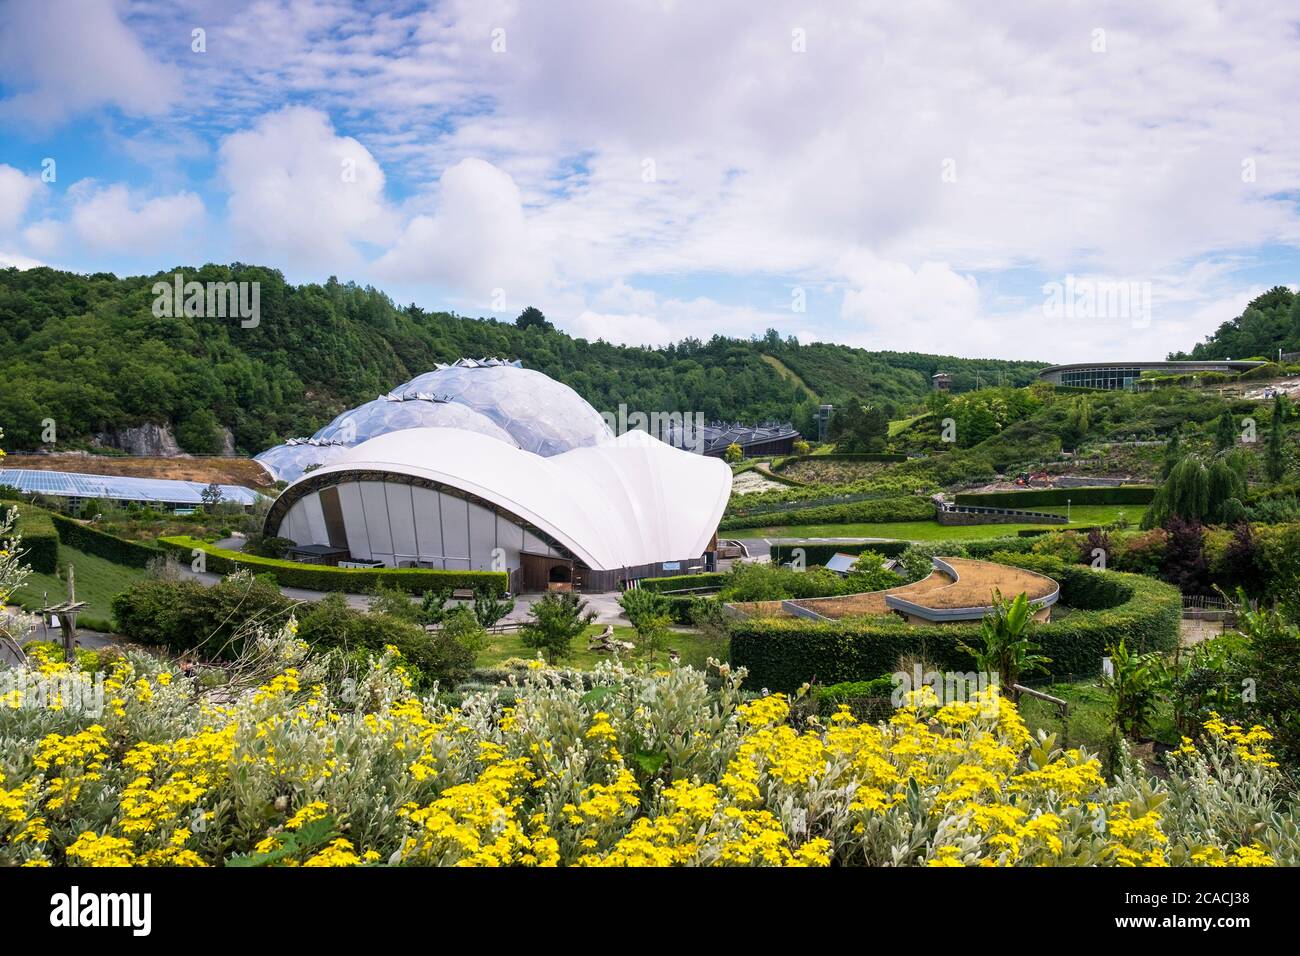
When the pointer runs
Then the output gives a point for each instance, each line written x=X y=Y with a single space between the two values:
x=769 y=438
x=1113 y=375
x=942 y=381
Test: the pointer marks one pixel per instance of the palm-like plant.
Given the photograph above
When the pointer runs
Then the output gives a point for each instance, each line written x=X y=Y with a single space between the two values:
x=1135 y=681
x=1007 y=650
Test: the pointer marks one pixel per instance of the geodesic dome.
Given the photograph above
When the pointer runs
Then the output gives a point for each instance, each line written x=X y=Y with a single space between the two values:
x=521 y=407
x=542 y=415
x=390 y=414
x=290 y=461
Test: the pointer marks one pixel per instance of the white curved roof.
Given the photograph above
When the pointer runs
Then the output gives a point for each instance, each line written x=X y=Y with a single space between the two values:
x=628 y=501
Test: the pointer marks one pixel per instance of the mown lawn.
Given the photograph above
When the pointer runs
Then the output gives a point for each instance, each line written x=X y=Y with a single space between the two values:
x=98 y=581
x=693 y=647
x=1081 y=516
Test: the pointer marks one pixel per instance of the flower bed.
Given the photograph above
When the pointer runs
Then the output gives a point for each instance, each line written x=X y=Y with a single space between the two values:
x=295 y=767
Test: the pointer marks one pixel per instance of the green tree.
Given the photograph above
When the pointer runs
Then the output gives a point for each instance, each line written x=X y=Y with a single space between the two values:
x=859 y=428
x=1006 y=649
x=555 y=619
x=1200 y=493
x=199 y=433
x=532 y=318
x=488 y=609
x=734 y=453
x=1225 y=432
x=1275 y=461
x=1173 y=452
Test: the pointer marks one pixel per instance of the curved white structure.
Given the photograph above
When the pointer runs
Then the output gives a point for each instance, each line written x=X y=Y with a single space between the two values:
x=599 y=508
x=516 y=405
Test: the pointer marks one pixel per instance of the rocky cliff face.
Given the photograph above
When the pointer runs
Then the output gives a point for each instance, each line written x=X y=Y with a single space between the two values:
x=148 y=440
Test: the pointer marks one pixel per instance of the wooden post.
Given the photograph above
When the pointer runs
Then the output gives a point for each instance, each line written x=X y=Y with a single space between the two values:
x=70 y=619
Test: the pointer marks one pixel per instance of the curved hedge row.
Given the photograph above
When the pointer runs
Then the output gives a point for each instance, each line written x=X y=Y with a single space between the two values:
x=40 y=539
x=91 y=540
x=1108 y=606
x=820 y=552
x=906 y=508
x=325 y=578
x=1121 y=495
x=886 y=457
x=681 y=582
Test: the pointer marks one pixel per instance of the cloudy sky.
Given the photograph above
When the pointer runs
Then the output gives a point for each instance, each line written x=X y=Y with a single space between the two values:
x=923 y=175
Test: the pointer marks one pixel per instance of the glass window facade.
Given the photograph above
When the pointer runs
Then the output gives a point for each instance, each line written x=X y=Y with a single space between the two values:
x=1117 y=376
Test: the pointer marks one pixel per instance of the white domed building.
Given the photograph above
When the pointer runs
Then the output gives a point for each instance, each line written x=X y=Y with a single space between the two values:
x=485 y=465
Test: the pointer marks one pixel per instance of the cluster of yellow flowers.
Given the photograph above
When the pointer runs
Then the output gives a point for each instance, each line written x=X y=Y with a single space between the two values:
x=300 y=771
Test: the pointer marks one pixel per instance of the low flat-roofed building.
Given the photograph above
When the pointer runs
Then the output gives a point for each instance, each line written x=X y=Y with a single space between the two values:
x=1113 y=375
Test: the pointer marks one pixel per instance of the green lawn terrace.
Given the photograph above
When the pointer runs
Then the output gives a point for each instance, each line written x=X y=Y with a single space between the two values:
x=1082 y=517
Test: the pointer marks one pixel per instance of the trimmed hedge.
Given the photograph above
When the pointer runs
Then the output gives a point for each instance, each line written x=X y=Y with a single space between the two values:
x=1108 y=606
x=885 y=457
x=677 y=582
x=83 y=537
x=906 y=508
x=40 y=539
x=1122 y=495
x=350 y=580
x=820 y=553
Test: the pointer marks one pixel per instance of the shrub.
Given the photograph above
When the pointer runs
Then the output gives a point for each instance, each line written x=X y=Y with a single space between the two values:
x=319 y=577
x=1066 y=545
x=184 y=614
x=431 y=656
x=815 y=553
x=1142 y=553
x=682 y=582
x=555 y=620
x=1185 y=565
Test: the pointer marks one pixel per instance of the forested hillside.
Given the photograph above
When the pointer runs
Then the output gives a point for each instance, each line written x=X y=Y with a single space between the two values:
x=1269 y=323
x=88 y=352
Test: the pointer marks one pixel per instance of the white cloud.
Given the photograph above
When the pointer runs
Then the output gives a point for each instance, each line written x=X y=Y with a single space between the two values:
x=17 y=189
x=524 y=170
x=477 y=241
x=116 y=218
x=64 y=57
x=303 y=195
x=13 y=260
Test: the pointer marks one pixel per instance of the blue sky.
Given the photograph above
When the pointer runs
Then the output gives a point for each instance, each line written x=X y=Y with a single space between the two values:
x=892 y=176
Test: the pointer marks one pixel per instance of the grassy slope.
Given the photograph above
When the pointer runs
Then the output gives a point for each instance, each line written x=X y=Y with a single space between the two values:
x=694 y=648
x=789 y=374
x=1081 y=516
x=98 y=581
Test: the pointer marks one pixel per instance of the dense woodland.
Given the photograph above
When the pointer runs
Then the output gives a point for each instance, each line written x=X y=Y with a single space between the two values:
x=1269 y=323
x=87 y=351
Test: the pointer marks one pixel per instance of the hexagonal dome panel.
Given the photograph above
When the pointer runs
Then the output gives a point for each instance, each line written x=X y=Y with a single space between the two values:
x=543 y=416
x=385 y=415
